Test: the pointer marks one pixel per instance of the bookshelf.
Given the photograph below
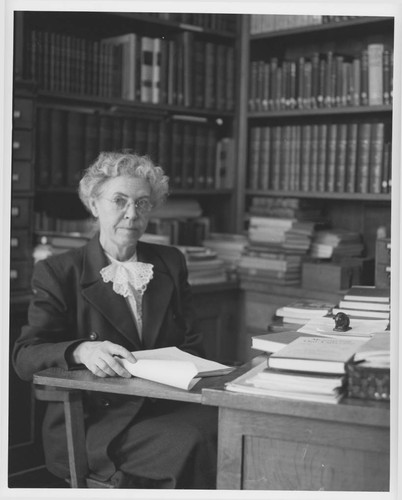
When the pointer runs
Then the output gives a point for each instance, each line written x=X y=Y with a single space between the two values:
x=281 y=115
x=162 y=84
x=308 y=100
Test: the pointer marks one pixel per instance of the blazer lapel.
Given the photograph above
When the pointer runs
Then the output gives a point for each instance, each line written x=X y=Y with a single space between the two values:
x=101 y=295
x=157 y=296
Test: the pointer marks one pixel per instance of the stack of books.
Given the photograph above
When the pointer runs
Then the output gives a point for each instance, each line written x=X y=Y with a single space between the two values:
x=228 y=247
x=368 y=302
x=275 y=250
x=300 y=311
x=308 y=368
x=203 y=266
x=52 y=243
x=336 y=244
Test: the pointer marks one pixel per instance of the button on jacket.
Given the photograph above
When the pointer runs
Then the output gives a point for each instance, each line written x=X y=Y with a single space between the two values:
x=71 y=304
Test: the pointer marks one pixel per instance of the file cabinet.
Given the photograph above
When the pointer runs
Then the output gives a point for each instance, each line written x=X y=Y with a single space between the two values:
x=22 y=190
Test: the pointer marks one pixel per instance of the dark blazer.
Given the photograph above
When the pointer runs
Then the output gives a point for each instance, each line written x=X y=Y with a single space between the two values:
x=71 y=303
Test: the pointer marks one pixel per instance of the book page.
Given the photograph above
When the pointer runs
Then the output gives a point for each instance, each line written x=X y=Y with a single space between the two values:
x=204 y=366
x=180 y=374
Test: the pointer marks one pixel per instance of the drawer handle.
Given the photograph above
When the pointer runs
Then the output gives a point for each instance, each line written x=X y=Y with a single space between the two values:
x=17 y=113
x=16 y=145
x=14 y=242
x=13 y=274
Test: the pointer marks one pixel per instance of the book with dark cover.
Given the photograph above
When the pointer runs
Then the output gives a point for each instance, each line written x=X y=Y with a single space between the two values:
x=305 y=162
x=363 y=157
x=76 y=147
x=200 y=156
x=58 y=149
x=210 y=58
x=91 y=138
x=211 y=157
x=314 y=166
x=176 y=154
x=332 y=144
x=128 y=134
x=322 y=156
x=351 y=158
x=340 y=159
x=264 y=173
x=42 y=173
x=199 y=73
x=188 y=144
x=105 y=133
x=255 y=151
x=147 y=47
x=376 y=157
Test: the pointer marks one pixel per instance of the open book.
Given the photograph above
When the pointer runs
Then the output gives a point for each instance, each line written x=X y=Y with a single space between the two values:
x=171 y=366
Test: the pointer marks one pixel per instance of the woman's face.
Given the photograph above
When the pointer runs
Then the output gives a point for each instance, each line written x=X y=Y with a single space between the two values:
x=121 y=223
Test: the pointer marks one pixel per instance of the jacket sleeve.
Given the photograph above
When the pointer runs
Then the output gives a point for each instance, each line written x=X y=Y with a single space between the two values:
x=186 y=315
x=50 y=332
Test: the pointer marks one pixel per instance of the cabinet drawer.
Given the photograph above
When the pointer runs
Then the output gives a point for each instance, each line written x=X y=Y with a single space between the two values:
x=23 y=113
x=22 y=145
x=20 y=275
x=20 y=212
x=22 y=176
x=20 y=244
x=383 y=251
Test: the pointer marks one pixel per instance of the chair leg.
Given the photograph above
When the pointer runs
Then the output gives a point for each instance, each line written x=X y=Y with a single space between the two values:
x=77 y=453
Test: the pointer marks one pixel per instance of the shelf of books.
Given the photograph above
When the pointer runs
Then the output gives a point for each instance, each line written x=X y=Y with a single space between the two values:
x=318 y=116
x=160 y=84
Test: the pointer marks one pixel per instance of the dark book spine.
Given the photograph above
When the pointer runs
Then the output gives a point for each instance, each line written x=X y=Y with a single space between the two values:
x=305 y=158
x=105 y=133
x=91 y=138
x=376 y=157
x=200 y=156
x=58 y=134
x=265 y=158
x=331 y=158
x=322 y=156
x=75 y=147
x=254 y=155
x=340 y=165
x=363 y=154
x=42 y=170
x=313 y=185
x=351 y=157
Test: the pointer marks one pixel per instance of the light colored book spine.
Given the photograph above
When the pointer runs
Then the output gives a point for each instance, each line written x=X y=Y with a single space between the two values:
x=375 y=74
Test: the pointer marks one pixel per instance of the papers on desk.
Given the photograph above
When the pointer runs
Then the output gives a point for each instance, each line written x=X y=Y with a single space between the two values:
x=171 y=366
x=358 y=327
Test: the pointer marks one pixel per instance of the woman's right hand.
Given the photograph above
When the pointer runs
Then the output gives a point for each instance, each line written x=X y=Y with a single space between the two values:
x=101 y=358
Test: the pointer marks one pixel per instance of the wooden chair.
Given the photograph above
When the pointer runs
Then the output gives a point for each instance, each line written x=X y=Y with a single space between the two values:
x=77 y=453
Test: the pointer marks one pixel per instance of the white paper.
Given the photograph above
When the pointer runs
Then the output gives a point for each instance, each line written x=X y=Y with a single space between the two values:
x=178 y=374
x=358 y=327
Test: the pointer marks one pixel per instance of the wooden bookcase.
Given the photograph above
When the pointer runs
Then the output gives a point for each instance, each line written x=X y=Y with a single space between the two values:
x=360 y=209
x=355 y=209
x=71 y=100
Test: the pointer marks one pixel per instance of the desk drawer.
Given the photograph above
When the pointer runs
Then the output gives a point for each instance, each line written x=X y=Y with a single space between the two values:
x=20 y=275
x=20 y=244
x=22 y=176
x=20 y=212
x=23 y=113
x=22 y=145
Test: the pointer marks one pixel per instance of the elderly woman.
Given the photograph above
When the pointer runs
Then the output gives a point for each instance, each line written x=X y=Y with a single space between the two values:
x=102 y=301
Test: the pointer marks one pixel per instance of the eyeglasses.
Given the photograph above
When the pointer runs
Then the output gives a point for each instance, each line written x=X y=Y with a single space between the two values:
x=121 y=204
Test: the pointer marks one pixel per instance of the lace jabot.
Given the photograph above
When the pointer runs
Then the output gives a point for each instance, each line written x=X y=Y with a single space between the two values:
x=127 y=276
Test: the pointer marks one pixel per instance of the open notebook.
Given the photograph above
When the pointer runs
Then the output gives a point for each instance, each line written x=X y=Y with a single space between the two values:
x=171 y=366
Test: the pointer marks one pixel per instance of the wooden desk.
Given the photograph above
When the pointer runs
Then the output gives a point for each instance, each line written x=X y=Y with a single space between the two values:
x=55 y=384
x=267 y=443
x=264 y=443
